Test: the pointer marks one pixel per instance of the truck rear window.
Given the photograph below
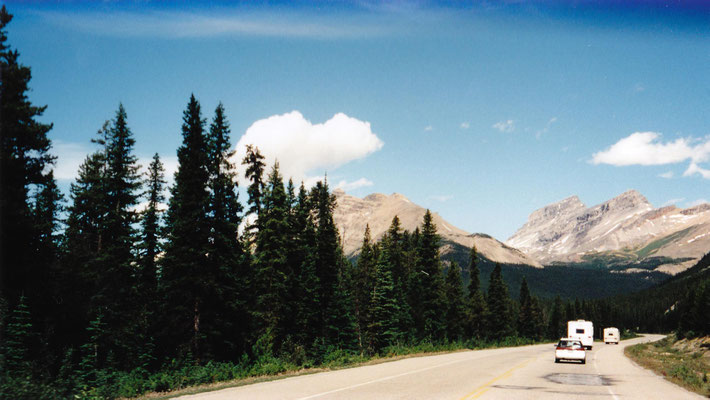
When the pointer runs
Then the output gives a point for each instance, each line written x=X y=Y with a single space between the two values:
x=580 y=330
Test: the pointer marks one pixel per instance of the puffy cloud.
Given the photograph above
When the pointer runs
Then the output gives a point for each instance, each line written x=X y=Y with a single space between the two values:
x=505 y=126
x=347 y=186
x=693 y=169
x=302 y=147
x=666 y=175
x=644 y=148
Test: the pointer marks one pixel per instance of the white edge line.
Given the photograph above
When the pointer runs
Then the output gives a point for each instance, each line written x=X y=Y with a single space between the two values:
x=381 y=379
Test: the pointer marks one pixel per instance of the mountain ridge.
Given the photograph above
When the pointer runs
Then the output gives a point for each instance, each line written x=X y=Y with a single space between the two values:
x=626 y=226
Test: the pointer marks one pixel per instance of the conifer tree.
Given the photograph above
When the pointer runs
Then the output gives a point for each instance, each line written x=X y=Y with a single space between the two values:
x=337 y=319
x=15 y=349
x=363 y=285
x=24 y=164
x=254 y=162
x=429 y=292
x=307 y=286
x=271 y=262
x=226 y=319
x=185 y=284
x=525 y=323
x=383 y=327
x=500 y=322
x=477 y=309
x=455 y=304
x=394 y=242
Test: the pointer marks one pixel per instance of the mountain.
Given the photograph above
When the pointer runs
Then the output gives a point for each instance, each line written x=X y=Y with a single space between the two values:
x=625 y=229
x=353 y=214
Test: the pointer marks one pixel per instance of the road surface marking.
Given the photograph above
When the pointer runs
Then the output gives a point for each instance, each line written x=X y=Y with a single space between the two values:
x=486 y=386
x=381 y=379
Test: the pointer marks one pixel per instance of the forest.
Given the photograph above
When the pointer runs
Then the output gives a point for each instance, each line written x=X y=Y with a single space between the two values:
x=128 y=286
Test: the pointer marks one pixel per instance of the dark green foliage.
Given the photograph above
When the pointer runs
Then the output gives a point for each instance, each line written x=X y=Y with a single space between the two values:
x=477 y=312
x=455 y=304
x=24 y=160
x=17 y=341
x=186 y=277
x=383 y=328
x=499 y=317
x=271 y=261
x=428 y=290
x=557 y=324
x=254 y=162
x=363 y=285
x=695 y=313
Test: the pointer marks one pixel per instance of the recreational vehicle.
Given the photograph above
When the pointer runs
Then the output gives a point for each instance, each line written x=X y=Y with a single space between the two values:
x=611 y=335
x=582 y=330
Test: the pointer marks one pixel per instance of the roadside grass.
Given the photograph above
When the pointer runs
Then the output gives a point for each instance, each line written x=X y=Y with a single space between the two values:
x=180 y=381
x=683 y=362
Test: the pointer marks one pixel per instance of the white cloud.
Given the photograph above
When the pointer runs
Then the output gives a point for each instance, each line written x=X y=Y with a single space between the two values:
x=428 y=128
x=302 y=147
x=465 y=125
x=505 y=126
x=667 y=175
x=644 y=148
x=693 y=169
x=347 y=186
x=672 y=202
x=196 y=23
x=696 y=203
x=442 y=198
x=69 y=158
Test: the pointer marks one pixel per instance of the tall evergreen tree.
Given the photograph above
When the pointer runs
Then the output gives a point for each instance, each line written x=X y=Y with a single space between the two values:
x=226 y=322
x=500 y=322
x=477 y=308
x=363 y=285
x=429 y=292
x=555 y=326
x=254 y=163
x=337 y=318
x=526 y=322
x=383 y=327
x=24 y=161
x=455 y=304
x=271 y=259
x=185 y=284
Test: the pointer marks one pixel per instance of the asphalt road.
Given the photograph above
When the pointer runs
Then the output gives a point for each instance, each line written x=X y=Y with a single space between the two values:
x=513 y=373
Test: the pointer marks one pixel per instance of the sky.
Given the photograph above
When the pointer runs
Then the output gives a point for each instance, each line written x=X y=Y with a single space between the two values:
x=482 y=111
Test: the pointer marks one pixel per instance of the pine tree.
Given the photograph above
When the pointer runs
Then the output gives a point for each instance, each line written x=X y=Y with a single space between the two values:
x=24 y=164
x=500 y=319
x=337 y=321
x=271 y=261
x=429 y=292
x=455 y=304
x=226 y=320
x=383 y=327
x=254 y=162
x=148 y=250
x=15 y=360
x=477 y=308
x=363 y=285
x=185 y=284
x=307 y=286
x=526 y=327
x=394 y=243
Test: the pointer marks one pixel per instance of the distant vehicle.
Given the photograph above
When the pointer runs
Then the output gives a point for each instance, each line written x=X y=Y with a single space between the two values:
x=582 y=330
x=570 y=349
x=611 y=335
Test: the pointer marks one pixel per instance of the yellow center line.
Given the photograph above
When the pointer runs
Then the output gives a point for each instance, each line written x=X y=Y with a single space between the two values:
x=479 y=391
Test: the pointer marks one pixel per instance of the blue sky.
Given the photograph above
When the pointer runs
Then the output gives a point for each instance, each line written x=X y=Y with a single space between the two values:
x=483 y=112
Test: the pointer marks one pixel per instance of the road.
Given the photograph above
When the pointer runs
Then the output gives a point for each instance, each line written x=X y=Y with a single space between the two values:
x=527 y=372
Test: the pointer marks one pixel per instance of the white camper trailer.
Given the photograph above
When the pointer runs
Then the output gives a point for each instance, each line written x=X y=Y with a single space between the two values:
x=611 y=335
x=582 y=330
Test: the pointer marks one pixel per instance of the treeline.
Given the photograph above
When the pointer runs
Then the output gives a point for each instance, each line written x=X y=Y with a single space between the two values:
x=109 y=289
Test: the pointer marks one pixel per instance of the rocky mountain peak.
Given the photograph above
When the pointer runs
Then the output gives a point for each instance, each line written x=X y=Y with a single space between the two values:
x=630 y=199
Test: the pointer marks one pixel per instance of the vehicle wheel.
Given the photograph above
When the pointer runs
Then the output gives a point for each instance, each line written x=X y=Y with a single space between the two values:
x=584 y=361
x=557 y=360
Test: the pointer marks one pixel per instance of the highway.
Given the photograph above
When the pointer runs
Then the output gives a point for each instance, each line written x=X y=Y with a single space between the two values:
x=527 y=372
